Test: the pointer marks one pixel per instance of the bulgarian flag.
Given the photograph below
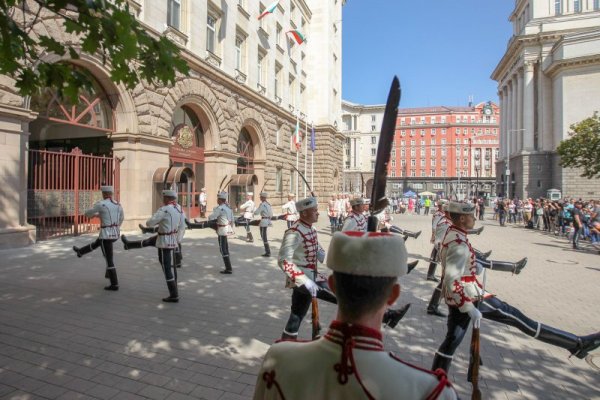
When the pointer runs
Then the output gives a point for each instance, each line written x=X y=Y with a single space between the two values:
x=296 y=137
x=298 y=37
x=269 y=10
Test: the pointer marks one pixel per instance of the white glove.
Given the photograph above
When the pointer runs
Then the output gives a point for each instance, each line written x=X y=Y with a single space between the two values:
x=475 y=315
x=313 y=288
x=321 y=255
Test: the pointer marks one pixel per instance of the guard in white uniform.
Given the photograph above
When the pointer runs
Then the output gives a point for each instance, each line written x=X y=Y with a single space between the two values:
x=468 y=301
x=349 y=362
x=248 y=207
x=265 y=212
x=300 y=250
x=202 y=202
x=443 y=224
x=223 y=216
x=111 y=217
x=289 y=210
x=170 y=220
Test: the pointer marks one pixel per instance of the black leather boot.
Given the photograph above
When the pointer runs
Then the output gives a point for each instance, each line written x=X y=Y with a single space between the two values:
x=114 y=282
x=81 y=251
x=146 y=229
x=411 y=266
x=173 y=293
x=579 y=346
x=267 y=250
x=250 y=238
x=475 y=231
x=431 y=272
x=392 y=317
x=433 y=308
x=228 y=270
x=130 y=244
x=515 y=268
x=482 y=256
x=441 y=362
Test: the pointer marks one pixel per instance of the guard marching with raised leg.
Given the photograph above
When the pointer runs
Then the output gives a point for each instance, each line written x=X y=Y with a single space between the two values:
x=300 y=250
x=111 y=217
x=265 y=212
x=170 y=220
x=463 y=292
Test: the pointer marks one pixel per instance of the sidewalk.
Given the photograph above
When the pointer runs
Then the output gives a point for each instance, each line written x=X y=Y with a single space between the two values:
x=63 y=337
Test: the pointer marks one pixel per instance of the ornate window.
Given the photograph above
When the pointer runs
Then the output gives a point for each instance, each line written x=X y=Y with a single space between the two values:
x=245 y=149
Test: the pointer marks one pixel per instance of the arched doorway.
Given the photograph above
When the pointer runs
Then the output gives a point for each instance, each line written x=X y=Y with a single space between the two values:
x=245 y=166
x=188 y=151
x=70 y=157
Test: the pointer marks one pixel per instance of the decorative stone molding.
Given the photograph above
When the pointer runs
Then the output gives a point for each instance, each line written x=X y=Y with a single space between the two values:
x=213 y=59
x=277 y=100
x=176 y=36
x=135 y=7
x=263 y=32
x=240 y=76
x=243 y=12
x=291 y=107
x=261 y=89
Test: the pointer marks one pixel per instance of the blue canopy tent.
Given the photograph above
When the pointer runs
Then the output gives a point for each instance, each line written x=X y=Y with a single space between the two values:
x=410 y=193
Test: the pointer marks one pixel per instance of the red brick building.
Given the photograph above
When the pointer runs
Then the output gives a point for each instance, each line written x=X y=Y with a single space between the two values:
x=446 y=149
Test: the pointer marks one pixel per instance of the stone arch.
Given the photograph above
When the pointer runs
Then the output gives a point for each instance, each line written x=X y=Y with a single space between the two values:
x=156 y=106
x=256 y=126
x=119 y=97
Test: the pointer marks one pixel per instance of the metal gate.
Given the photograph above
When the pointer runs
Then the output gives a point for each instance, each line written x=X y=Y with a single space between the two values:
x=61 y=186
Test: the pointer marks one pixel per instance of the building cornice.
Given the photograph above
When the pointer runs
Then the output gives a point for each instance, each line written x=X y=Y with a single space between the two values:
x=560 y=65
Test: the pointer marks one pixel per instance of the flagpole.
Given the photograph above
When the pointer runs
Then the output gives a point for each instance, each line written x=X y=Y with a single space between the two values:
x=297 y=132
x=312 y=156
x=305 y=149
x=297 y=173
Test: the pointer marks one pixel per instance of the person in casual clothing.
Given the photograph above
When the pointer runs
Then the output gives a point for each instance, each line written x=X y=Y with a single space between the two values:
x=349 y=361
x=577 y=223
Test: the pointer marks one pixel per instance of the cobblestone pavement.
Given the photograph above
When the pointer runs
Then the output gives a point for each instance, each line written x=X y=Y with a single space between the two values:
x=63 y=337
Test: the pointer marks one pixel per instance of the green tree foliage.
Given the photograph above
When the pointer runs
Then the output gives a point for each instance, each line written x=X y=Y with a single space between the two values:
x=582 y=149
x=105 y=28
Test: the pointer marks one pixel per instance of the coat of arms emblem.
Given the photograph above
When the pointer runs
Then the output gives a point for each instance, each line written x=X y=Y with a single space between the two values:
x=186 y=137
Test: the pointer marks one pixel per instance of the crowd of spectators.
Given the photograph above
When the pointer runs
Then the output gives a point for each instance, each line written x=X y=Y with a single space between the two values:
x=577 y=220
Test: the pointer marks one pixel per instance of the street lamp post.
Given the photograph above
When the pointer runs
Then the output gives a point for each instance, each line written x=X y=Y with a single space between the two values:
x=508 y=152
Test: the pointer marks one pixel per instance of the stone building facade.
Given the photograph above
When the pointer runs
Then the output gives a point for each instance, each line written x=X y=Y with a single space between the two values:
x=450 y=151
x=250 y=84
x=548 y=79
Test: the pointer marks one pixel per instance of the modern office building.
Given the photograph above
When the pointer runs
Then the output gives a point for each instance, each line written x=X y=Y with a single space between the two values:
x=250 y=84
x=548 y=79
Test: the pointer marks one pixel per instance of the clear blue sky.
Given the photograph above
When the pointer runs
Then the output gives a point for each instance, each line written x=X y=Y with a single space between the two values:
x=442 y=50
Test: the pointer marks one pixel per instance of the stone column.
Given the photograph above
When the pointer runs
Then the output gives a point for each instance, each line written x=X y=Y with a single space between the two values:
x=514 y=116
x=502 y=135
x=519 y=134
x=528 y=112
x=14 y=137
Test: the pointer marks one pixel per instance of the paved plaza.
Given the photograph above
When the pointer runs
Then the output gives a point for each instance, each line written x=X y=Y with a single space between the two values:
x=63 y=337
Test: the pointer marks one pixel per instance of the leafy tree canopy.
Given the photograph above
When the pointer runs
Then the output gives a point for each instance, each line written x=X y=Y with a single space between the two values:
x=105 y=28
x=582 y=149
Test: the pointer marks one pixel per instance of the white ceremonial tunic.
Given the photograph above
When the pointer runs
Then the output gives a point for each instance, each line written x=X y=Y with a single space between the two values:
x=111 y=217
x=314 y=370
x=224 y=217
x=202 y=198
x=171 y=225
x=289 y=209
x=384 y=220
x=355 y=222
x=266 y=212
x=249 y=209
x=298 y=255
x=461 y=288
x=441 y=229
